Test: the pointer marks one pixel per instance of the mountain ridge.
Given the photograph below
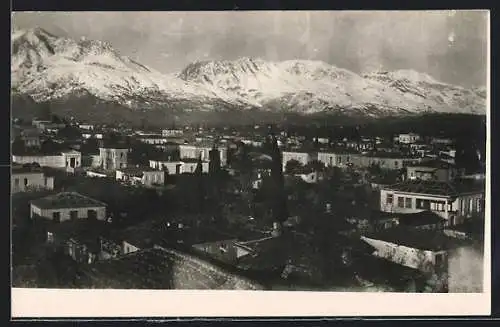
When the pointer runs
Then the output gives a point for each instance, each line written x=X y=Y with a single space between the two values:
x=49 y=68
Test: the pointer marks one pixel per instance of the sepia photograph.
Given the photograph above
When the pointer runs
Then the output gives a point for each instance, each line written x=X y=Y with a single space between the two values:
x=321 y=153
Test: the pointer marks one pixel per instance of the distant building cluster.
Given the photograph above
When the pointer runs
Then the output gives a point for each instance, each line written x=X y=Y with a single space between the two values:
x=415 y=201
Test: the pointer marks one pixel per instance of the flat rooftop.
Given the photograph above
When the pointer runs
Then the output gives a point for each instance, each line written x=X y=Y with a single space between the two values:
x=67 y=200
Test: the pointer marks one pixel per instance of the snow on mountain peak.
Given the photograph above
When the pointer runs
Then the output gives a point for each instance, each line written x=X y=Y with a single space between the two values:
x=46 y=67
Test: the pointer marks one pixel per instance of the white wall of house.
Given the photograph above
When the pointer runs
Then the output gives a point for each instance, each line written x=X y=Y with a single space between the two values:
x=430 y=173
x=184 y=167
x=65 y=213
x=22 y=182
x=53 y=161
x=408 y=138
x=129 y=248
x=194 y=152
x=336 y=159
x=423 y=260
x=453 y=210
x=112 y=159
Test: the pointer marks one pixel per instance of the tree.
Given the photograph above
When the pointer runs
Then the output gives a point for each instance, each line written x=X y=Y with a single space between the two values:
x=316 y=165
x=18 y=146
x=293 y=166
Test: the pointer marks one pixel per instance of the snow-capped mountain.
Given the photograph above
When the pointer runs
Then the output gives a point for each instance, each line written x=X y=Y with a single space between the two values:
x=51 y=68
x=312 y=86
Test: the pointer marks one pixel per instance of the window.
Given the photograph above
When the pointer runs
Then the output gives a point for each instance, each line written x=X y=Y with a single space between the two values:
x=16 y=182
x=389 y=199
x=73 y=215
x=45 y=181
x=396 y=163
x=401 y=202
x=423 y=204
x=56 y=216
x=25 y=182
x=439 y=259
x=121 y=155
x=408 y=203
x=412 y=174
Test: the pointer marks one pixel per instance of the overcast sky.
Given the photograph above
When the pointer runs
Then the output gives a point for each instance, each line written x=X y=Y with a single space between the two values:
x=451 y=46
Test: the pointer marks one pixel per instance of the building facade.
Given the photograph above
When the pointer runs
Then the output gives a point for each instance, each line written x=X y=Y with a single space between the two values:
x=146 y=176
x=113 y=158
x=24 y=180
x=192 y=151
x=439 y=197
x=68 y=206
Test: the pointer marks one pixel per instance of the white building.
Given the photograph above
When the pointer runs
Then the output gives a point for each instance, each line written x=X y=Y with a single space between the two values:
x=68 y=206
x=336 y=158
x=432 y=170
x=28 y=179
x=146 y=176
x=67 y=160
x=172 y=132
x=154 y=139
x=453 y=201
x=195 y=151
x=87 y=127
x=408 y=138
x=113 y=158
x=303 y=157
x=178 y=167
x=411 y=248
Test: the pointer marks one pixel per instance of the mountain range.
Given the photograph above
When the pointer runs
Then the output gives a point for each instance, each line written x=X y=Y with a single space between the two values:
x=88 y=78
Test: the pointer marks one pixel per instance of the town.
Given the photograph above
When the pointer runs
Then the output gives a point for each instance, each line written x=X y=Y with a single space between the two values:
x=261 y=207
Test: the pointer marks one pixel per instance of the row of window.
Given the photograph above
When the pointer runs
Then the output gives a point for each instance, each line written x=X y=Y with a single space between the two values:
x=26 y=182
x=407 y=202
x=73 y=214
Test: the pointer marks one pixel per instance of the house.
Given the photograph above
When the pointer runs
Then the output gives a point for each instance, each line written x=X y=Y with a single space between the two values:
x=442 y=141
x=216 y=244
x=31 y=138
x=79 y=238
x=454 y=201
x=146 y=176
x=385 y=160
x=87 y=127
x=432 y=170
x=67 y=160
x=179 y=167
x=68 y=206
x=337 y=158
x=113 y=157
x=303 y=157
x=172 y=132
x=47 y=125
x=200 y=149
x=28 y=179
x=154 y=139
x=408 y=138
x=422 y=250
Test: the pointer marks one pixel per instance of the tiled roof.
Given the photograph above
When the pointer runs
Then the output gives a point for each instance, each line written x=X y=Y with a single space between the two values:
x=438 y=164
x=66 y=200
x=437 y=187
x=418 y=239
